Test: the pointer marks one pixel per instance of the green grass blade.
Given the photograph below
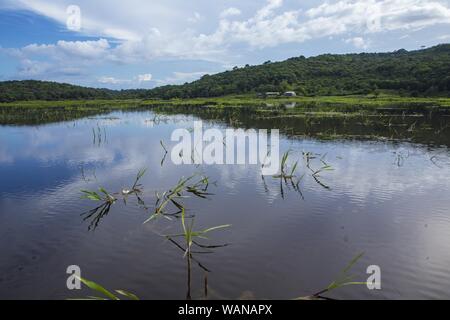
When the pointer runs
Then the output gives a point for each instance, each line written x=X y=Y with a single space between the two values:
x=96 y=287
x=128 y=294
x=216 y=228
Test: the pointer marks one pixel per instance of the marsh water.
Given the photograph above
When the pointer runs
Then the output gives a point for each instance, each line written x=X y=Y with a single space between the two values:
x=387 y=198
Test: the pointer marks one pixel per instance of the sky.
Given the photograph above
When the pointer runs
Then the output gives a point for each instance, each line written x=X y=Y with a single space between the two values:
x=143 y=44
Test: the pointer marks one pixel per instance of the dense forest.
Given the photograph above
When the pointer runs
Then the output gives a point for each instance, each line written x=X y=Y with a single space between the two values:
x=52 y=91
x=423 y=72
x=414 y=73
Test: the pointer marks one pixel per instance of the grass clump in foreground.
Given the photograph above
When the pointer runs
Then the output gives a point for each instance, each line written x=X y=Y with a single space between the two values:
x=198 y=188
x=192 y=237
x=104 y=293
x=344 y=279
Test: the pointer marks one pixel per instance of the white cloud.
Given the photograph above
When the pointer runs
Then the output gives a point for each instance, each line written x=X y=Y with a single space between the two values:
x=181 y=77
x=74 y=49
x=148 y=30
x=115 y=81
x=124 y=20
x=444 y=37
x=145 y=77
x=358 y=42
x=112 y=80
x=267 y=10
x=382 y=15
x=85 y=49
x=65 y=58
x=30 y=68
x=269 y=28
x=230 y=12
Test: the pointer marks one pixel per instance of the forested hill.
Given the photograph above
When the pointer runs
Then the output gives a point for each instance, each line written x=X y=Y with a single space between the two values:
x=43 y=90
x=416 y=73
x=422 y=72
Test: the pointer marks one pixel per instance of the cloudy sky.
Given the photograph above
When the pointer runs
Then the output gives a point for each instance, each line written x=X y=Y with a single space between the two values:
x=143 y=44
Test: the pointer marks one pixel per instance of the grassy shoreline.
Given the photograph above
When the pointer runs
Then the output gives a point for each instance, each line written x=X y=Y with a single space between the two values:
x=360 y=101
x=424 y=120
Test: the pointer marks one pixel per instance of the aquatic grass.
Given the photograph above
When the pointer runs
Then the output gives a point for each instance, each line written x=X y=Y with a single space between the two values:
x=325 y=167
x=327 y=121
x=108 y=199
x=102 y=195
x=287 y=175
x=99 y=135
x=315 y=173
x=165 y=152
x=83 y=174
x=170 y=196
x=400 y=158
x=175 y=195
x=163 y=146
x=344 y=279
x=105 y=294
x=190 y=235
x=284 y=168
x=97 y=214
x=313 y=116
x=137 y=187
x=200 y=188
x=191 y=185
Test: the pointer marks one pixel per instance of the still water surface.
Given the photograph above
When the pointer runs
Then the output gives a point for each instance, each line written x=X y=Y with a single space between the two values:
x=389 y=200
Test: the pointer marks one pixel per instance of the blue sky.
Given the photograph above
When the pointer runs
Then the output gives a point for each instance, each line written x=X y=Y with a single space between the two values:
x=143 y=44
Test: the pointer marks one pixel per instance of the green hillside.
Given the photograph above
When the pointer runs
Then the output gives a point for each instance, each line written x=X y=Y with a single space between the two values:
x=51 y=91
x=417 y=73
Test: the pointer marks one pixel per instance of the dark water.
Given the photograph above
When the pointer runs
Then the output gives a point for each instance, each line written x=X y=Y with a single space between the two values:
x=390 y=200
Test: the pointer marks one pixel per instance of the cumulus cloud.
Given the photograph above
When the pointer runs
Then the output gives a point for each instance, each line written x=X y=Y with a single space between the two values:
x=139 y=79
x=382 y=15
x=63 y=59
x=145 y=77
x=270 y=28
x=181 y=77
x=358 y=42
x=73 y=49
x=112 y=80
x=444 y=37
x=149 y=30
x=124 y=20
